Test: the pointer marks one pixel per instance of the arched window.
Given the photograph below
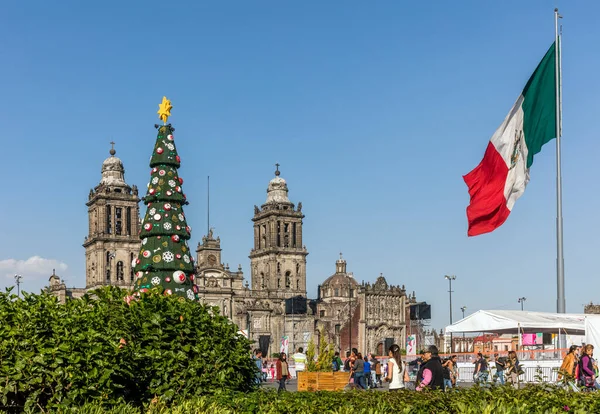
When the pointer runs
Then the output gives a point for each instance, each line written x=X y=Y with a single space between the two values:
x=225 y=310
x=278 y=268
x=262 y=280
x=278 y=282
x=288 y=279
x=131 y=272
x=297 y=284
x=336 y=292
x=120 y=273
x=108 y=266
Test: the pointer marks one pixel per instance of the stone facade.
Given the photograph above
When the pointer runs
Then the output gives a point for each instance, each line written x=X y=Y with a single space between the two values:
x=366 y=316
x=590 y=308
x=112 y=242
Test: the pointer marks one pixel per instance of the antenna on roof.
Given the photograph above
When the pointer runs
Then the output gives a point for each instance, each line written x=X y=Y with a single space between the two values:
x=207 y=205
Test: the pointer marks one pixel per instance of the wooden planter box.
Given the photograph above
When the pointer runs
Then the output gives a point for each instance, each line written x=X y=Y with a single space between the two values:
x=322 y=381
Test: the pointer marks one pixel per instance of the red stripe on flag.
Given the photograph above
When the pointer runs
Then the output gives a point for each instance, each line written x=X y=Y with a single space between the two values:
x=487 y=210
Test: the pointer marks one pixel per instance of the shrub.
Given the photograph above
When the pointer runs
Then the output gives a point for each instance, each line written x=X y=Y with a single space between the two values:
x=499 y=400
x=105 y=351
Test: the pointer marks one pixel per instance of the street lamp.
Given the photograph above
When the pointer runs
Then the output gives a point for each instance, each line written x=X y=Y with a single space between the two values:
x=522 y=301
x=463 y=309
x=18 y=279
x=450 y=279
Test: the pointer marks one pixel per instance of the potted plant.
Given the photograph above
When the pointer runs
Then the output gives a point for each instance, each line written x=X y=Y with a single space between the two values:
x=319 y=374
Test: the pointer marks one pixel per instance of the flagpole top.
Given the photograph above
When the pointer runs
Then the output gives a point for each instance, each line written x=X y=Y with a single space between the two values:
x=556 y=9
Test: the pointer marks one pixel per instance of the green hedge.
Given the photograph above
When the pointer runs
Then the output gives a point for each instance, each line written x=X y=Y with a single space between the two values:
x=502 y=400
x=102 y=350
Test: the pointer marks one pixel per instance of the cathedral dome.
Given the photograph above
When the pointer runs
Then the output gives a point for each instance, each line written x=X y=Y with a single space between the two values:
x=113 y=172
x=278 y=190
x=339 y=280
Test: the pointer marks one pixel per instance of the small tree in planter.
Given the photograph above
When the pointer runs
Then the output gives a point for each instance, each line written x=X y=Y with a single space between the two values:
x=319 y=373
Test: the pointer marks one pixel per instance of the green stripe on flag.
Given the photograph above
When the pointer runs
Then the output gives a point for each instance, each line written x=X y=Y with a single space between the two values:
x=539 y=105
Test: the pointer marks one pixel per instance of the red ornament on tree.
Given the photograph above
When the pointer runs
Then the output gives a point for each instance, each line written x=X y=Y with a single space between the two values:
x=175 y=238
x=159 y=150
x=178 y=158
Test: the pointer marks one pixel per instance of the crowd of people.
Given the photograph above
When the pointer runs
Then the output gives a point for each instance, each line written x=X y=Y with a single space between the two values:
x=579 y=369
x=368 y=372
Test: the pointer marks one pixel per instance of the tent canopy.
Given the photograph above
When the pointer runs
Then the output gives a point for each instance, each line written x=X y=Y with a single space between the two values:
x=509 y=321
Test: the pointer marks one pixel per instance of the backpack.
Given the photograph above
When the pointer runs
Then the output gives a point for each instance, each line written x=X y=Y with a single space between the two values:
x=336 y=365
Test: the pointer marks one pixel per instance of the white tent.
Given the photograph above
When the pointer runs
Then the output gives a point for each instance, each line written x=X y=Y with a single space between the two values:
x=508 y=321
x=592 y=330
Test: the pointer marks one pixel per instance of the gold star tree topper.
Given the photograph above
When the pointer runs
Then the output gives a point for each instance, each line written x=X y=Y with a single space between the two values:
x=164 y=109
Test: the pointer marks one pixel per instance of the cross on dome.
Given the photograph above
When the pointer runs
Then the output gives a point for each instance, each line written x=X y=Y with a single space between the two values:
x=112 y=149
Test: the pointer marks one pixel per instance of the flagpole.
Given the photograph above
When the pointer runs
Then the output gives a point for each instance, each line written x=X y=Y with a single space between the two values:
x=560 y=264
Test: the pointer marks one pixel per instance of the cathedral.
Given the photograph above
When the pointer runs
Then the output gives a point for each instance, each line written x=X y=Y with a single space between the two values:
x=272 y=308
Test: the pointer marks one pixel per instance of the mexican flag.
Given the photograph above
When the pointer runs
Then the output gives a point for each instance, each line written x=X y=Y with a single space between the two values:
x=501 y=177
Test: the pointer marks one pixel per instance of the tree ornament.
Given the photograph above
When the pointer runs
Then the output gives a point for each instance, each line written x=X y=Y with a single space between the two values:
x=164 y=109
x=177 y=158
x=180 y=181
x=175 y=238
x=162 y=173
x=168 y=292
x=151 y=191
x=167 y=206
x=179 y=277
x=147 y=253
x=170 y=137
x=169 y=192
x=157 y=217
x=159 y=150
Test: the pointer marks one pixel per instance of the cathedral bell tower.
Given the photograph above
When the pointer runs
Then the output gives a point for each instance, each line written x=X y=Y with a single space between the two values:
x=278 y=259
x=112 y=242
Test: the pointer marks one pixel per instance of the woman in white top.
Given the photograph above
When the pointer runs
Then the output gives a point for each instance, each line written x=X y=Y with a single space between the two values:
x=397 y=375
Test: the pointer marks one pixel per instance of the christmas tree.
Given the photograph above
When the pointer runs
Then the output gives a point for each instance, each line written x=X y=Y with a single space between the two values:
x=165 y=263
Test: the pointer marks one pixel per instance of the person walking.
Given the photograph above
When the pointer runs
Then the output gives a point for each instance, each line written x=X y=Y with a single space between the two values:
x=299 y=360
x=431 y=373
x=500 y=367
x=587 y=374
x=272 y=372
x=376 y=372
x=449 y=371
x=481 y=369
x=358 y=369
x=283 y=371
x=257 y=357
x=398 y=376
x=367 y=371
x=568 y=371
x=336 y=364
x=513 y=369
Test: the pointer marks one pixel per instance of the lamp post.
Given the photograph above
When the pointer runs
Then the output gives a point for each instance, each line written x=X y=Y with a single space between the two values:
x=463 y=309
x=450 y=279
x=349 y=317
x=18 y=279
x=522 y=301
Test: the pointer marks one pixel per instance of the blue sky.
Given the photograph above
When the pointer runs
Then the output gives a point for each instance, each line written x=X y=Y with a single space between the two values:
x=375 y=110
